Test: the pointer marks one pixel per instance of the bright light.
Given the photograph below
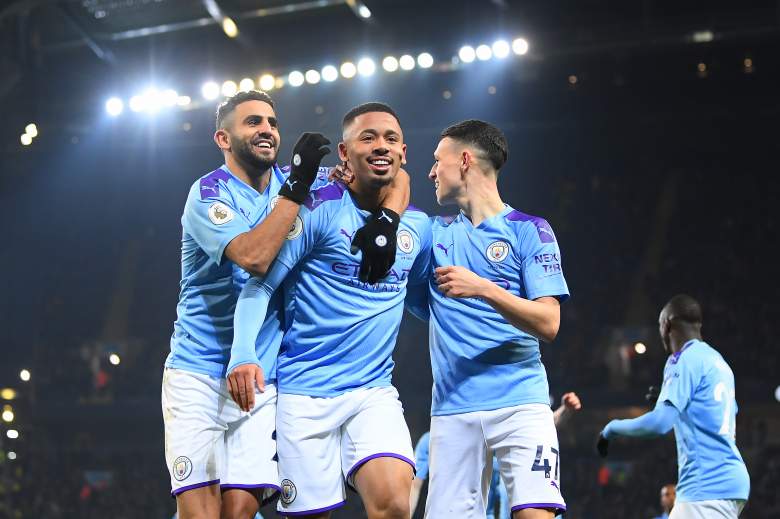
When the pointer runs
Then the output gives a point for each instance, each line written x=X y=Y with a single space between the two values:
x=8 y=415
x=366 y=67
x=183 y=100
x=152 y=100
x=295 y=78
x=26 y=139
x=484 y=53
x=425 y=60
x=640 y=348
x=31 y=130
x=312 y=77
x=520 y=46
x=210 y=90
x=501 y=49
x=230 y=27
x=246 y=84
x=114 y=359
x=11 y=455
x=466 y=54
x=169 y=97
x=348 y=69
x=7 y=393
x=279 y=83
x=136 y=103
x=703 y=36
x=330 y=73
x=777 y=393
x=12 y=434
x=406 y=62
x=229 y=88
x=267 y=82
x=390 y=64
x=364 y=12
x=114 y=106
x=25 y=375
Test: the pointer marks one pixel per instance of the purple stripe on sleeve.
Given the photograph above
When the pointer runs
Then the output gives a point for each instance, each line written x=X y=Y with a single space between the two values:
x=378 y=455
x=311 y=512
x=558 y=507
x=209 y=185
x=178 y=491
x=543 y=228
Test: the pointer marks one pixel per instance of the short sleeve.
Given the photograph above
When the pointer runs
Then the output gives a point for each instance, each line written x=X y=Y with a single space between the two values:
x=421 y=456
x=541 y=261
x=213 y=223
x=680 y=381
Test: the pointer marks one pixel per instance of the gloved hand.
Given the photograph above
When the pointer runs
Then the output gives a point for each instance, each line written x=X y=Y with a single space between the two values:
x=377 y=240
x=602 y=445
x=652 y=395
x=307 y=154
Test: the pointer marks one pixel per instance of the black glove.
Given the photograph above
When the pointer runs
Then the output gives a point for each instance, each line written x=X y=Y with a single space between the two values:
x=652 y=395
x=377 y=241
x=602 y=446
x=307 y=154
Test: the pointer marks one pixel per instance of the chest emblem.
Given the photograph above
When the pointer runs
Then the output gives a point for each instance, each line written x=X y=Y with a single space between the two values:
x=405 y=241
x=497 y=251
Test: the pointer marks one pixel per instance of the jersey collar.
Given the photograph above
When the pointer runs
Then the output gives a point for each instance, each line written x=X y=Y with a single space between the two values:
x=486 y=222
x=676 y=355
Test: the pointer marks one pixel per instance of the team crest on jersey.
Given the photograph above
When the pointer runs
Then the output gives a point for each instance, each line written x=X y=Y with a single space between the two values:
x=182 y=468
x=272 y=203
x=219 y=213
x=498 y=251
x=405 y=241
x=296 y=229
x=289 y=492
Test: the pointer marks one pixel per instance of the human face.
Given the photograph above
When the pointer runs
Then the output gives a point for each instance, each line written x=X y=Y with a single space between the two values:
x=446 y=172
x=667 y=497
x=254 y=135
x=374 y=148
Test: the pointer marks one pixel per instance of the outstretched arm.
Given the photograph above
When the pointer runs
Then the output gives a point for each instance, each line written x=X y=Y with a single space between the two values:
x=657 y=422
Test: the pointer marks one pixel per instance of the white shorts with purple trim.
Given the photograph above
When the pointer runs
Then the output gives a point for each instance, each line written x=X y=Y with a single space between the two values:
x=709 y=509
x=210 y=441
x=523 y=439
x=322 y=442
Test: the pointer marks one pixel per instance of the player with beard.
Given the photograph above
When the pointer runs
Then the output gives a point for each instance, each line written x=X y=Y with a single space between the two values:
x=221 y=459
x=340 y=421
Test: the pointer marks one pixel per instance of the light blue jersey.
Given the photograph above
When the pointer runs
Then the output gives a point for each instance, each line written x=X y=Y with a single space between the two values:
x=341 y=331
x=219 y=207
x=700 y=385
x=481 y=362
x=497 y=495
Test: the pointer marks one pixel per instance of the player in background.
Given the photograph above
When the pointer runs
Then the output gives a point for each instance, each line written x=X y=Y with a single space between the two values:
x=697 y=398
x=666 y=497
x=495 y=294
x=497 y=495
x=221 y=460
x=339 y=419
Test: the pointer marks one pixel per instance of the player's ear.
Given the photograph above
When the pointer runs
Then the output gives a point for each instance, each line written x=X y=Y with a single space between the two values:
x=222 y=139
x=342 y=151
x=403 y=155
x=465 y=160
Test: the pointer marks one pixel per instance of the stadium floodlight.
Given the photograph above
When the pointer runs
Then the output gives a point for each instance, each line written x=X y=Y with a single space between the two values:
x=12 y=434
x=210 y=90
x=8 y=414
x=114 y=106
x=520 y=46
x=114 y=359
x=169 y=97
x=425 y=60
x=366 y=67
x=329 y=73
x=26 y=139
x=703 y=36
x=484 y=53
x=777 y=393
x=7 y=393
x=390 y=64
x=31 y=130
x=183 y=100
x=267 y=82
x=230 y=27
x=295 y=78
x=501 y=49
x=246 y=84
x=312 y=77
x=364 y=11
x=640 y=348
x=348 y=69
x=406 y=62
x=137 y=103
x=229 y=88
x=25 y=375
x=11 y=455
x=467 y=54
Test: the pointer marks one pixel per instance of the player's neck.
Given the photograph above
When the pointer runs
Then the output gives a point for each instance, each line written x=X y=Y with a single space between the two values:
x=257 y=181
x=679 y=340
x=481 y=201
x=368 y=197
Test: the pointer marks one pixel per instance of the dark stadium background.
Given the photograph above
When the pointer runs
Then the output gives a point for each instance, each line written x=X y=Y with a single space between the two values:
x=653 y=156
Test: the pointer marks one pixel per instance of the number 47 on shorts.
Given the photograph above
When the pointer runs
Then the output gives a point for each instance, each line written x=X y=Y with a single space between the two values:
x=545 y=466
